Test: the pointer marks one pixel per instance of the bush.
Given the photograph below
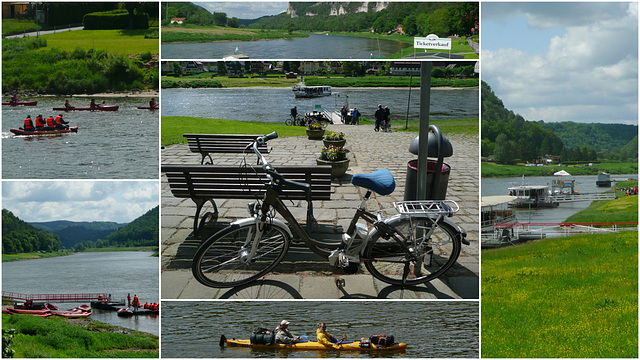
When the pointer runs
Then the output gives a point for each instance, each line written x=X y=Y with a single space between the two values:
x=116 y=19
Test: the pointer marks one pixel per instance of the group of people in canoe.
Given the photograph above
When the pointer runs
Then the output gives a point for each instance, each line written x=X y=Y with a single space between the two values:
x=284 y=336
x=41 y=123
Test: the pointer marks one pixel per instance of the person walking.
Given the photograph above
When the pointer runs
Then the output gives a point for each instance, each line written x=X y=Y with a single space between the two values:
x=379 y=115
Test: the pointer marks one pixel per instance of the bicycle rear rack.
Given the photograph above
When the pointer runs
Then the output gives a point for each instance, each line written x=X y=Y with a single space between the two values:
x=431 y=207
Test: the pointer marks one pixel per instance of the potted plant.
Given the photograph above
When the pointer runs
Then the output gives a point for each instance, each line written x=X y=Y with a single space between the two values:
x=335 y=139
x=315 y=131
x=336 y=157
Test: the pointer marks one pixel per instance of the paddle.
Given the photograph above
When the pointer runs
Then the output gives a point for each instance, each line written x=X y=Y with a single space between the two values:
x=223 y=341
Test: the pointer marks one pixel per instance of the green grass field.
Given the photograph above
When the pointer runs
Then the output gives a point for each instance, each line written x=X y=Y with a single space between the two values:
x=489 y=169
x=55 y=337
x=571 y=297
x=127 y=42
x=623 y=209
x=10 y=26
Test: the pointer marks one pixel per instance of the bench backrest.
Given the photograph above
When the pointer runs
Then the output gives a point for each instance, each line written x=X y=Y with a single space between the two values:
x=215 y=143
x=233 y=182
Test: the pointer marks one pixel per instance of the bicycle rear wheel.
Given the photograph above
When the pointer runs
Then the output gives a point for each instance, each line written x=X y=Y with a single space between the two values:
x=223 y=259
x=290 y=122
x=427 y=259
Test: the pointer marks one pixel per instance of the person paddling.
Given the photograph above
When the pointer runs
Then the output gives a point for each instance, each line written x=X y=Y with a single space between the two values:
x=28 y=124
x=93 y=104
x=14 y=100
x=325 y=338
x=51 y=122
x=60 y=123
x=40 y=124
x=152 y=103
x=67 y=104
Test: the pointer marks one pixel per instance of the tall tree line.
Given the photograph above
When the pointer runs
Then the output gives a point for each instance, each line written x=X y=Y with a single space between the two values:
x=18 y=236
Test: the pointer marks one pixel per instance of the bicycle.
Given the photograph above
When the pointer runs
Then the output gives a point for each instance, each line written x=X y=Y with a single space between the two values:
x=295 y=121
x=416 y=245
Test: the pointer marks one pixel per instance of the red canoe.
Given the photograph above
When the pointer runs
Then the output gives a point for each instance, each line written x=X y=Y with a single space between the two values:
x=44 y=132
x=149 y=107
x=87 y=108
x=71 y=314
x=24 y=311
x=23 y=103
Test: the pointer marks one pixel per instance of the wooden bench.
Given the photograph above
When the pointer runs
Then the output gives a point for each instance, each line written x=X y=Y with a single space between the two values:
x=206 y=144
x=202 y=183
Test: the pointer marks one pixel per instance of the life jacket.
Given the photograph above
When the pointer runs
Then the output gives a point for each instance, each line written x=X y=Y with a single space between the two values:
x=152 y=104
x=50 y=122
x=40 y=122
x=59 y=120
x=28 y=124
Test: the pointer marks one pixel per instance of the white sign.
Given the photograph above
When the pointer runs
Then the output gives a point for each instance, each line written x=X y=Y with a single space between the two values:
x=432 y=42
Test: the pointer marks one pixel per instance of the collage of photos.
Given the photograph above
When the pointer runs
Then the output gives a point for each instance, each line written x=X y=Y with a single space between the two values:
x=259 y=179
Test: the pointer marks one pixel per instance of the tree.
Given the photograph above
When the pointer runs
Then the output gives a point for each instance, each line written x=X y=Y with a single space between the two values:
x=409 y=25
x=220 y=18
x=439 y=23
x=351 y=67
x=233 y=22
x=221 y=68
x=504 y=149
x=131 y=8
x=177 y=68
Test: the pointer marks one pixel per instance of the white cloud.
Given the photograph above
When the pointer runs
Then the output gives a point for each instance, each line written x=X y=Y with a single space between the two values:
x=119 y=201
x=590 y=74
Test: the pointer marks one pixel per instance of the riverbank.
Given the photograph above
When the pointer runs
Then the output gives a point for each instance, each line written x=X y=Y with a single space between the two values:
x=493 y=170
x=209 y=80
x=622 y=211
x=37 y=255
x=569 y=297
x=189 y=33
x=56 y=337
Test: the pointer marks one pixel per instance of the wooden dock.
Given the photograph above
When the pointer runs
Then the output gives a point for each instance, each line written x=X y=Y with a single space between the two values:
x=61 y=298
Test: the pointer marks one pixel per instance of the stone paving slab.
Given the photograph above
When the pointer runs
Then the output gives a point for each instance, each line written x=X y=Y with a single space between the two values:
x=314 y=278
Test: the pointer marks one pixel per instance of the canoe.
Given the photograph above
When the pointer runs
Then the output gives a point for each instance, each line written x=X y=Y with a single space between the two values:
x=23 y=103
x=24 y=311
x=312 y=345
x=87 y=108
x=45 y=132
x=71 y=314
x=125 y=312
x=149 y=107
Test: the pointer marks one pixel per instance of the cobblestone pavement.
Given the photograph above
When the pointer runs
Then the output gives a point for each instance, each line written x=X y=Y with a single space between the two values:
x=303 y=274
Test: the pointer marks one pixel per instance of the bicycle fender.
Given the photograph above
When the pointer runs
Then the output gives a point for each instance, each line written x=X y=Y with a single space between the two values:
x=396 y=218
x=253 y=220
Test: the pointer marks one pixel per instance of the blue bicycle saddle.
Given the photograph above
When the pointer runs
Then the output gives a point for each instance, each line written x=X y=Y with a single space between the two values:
x=381 y=181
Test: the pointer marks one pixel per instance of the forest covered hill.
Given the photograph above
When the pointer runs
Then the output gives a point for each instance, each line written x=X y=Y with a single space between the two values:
x=18 y=236
x=509 y=137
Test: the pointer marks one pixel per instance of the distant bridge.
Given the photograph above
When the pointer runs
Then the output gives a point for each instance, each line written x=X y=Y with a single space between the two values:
x=64 y=298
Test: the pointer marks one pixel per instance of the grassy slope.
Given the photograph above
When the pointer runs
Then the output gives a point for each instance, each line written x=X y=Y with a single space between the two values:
x=129 y=42
x=199 y=33
x=174 y=126
x=56 y=337
x=14 y=25
x=623 y=209
x=564 y=297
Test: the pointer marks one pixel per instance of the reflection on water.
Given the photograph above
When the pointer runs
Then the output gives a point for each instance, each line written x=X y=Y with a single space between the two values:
x=274 y=104
x=119 y=144
x=431 y=329
x=116 y=273
x=313 y=47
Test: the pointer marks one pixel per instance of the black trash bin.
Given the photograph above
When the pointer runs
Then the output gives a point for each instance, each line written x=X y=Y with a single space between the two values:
x=437 y=171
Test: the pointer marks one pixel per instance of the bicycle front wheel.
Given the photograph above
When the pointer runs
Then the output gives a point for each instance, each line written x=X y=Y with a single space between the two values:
x=225 y=260
x=289 y=122
x=423 y=259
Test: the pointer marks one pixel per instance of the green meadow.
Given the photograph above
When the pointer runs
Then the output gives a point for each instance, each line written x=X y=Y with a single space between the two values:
x=55 y=337
x=126 y=42
x=572 y=297
x=489 y=169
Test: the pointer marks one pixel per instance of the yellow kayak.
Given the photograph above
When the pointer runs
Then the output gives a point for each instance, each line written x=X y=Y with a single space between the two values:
x=312 y=345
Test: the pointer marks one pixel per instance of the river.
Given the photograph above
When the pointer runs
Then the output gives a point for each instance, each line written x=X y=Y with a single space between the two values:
x=431 y=329
x=116 y=273
x=119 y=144
x=585 y=184
x=274 y=104
x=315 y=46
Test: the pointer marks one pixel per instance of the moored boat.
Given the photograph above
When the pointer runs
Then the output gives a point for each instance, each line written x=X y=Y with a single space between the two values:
x=44 y=132
x=71 y=314
x=107 y=305
x=303 y=91
x=20 y=103
x=531 y=196
x=312 y=345
x=27 y=311
x=125 y=312
x=88 y=108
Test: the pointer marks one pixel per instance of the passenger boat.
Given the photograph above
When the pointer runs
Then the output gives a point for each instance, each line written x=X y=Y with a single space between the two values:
x=44 y=132
x=312 y=345
x=604 y=180
x=530 y=196
x=303 y=91
x=21 y=103
x=88 y=108
x=496 y=210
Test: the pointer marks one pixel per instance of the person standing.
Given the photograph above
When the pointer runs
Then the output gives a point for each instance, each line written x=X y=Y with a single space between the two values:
x=128 y=300
x=387 y=119
x=379 y=115
x=355 y=117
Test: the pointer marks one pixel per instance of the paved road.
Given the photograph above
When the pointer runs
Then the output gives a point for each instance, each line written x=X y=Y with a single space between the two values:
x=302 y=274
x=44 y=32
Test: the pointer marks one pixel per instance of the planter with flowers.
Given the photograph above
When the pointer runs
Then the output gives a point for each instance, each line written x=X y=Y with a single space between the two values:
x=315 y=131
x=336 y=157
x=335 y=139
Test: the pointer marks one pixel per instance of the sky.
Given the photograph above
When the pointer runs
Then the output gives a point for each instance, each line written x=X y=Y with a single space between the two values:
x=567 y=61
x=118 y=201
x=245 y=10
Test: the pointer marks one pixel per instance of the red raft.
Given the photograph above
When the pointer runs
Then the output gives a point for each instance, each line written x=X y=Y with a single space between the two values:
x=88 y=108
x=23 y=103
x=44 y=132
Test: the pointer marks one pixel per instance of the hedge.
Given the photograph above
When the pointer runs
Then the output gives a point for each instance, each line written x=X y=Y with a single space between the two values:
x=118 y=19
